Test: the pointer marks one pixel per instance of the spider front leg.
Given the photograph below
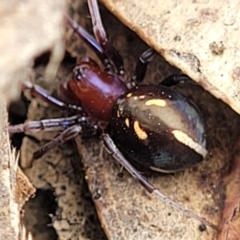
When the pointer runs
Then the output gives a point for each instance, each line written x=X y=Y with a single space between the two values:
x=63 y=137
x=101 y=36
x=117 y=155
x=41 y=93
x=82 y=127
x=57 y=124
x=108 y=55
x=71 y=127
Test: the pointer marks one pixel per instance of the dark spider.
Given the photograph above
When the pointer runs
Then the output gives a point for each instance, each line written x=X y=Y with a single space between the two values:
x=153 y=125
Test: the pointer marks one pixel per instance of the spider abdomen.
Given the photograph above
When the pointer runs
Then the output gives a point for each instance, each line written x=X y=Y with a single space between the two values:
x=159 y=128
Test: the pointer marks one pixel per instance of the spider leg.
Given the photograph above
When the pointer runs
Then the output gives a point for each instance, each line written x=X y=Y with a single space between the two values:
x=72 y=126
x=117 y=155
x=90 y=41
x=63 y=137
x=101 y=36
x=141 y=67
x=57 y=124
x=108 y=55
x=39 y=92
x=176 y=79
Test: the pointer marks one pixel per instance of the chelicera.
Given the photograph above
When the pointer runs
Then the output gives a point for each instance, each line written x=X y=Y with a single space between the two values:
x=152 y=125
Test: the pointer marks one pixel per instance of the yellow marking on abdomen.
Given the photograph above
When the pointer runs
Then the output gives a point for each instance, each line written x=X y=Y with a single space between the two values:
x=188 y=141
x=140 y=133
x=127 y=122
x=157 y=102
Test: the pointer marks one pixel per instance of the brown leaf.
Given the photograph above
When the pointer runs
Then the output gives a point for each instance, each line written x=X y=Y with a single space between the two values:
x=230 y=215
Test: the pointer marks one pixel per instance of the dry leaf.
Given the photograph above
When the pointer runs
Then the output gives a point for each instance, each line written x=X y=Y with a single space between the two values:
x=231 y=212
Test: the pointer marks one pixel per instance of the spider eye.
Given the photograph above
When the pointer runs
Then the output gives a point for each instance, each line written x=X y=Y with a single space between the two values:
x=78 y=73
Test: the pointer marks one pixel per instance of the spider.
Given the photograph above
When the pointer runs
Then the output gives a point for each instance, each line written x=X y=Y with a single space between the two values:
x=152 y=125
